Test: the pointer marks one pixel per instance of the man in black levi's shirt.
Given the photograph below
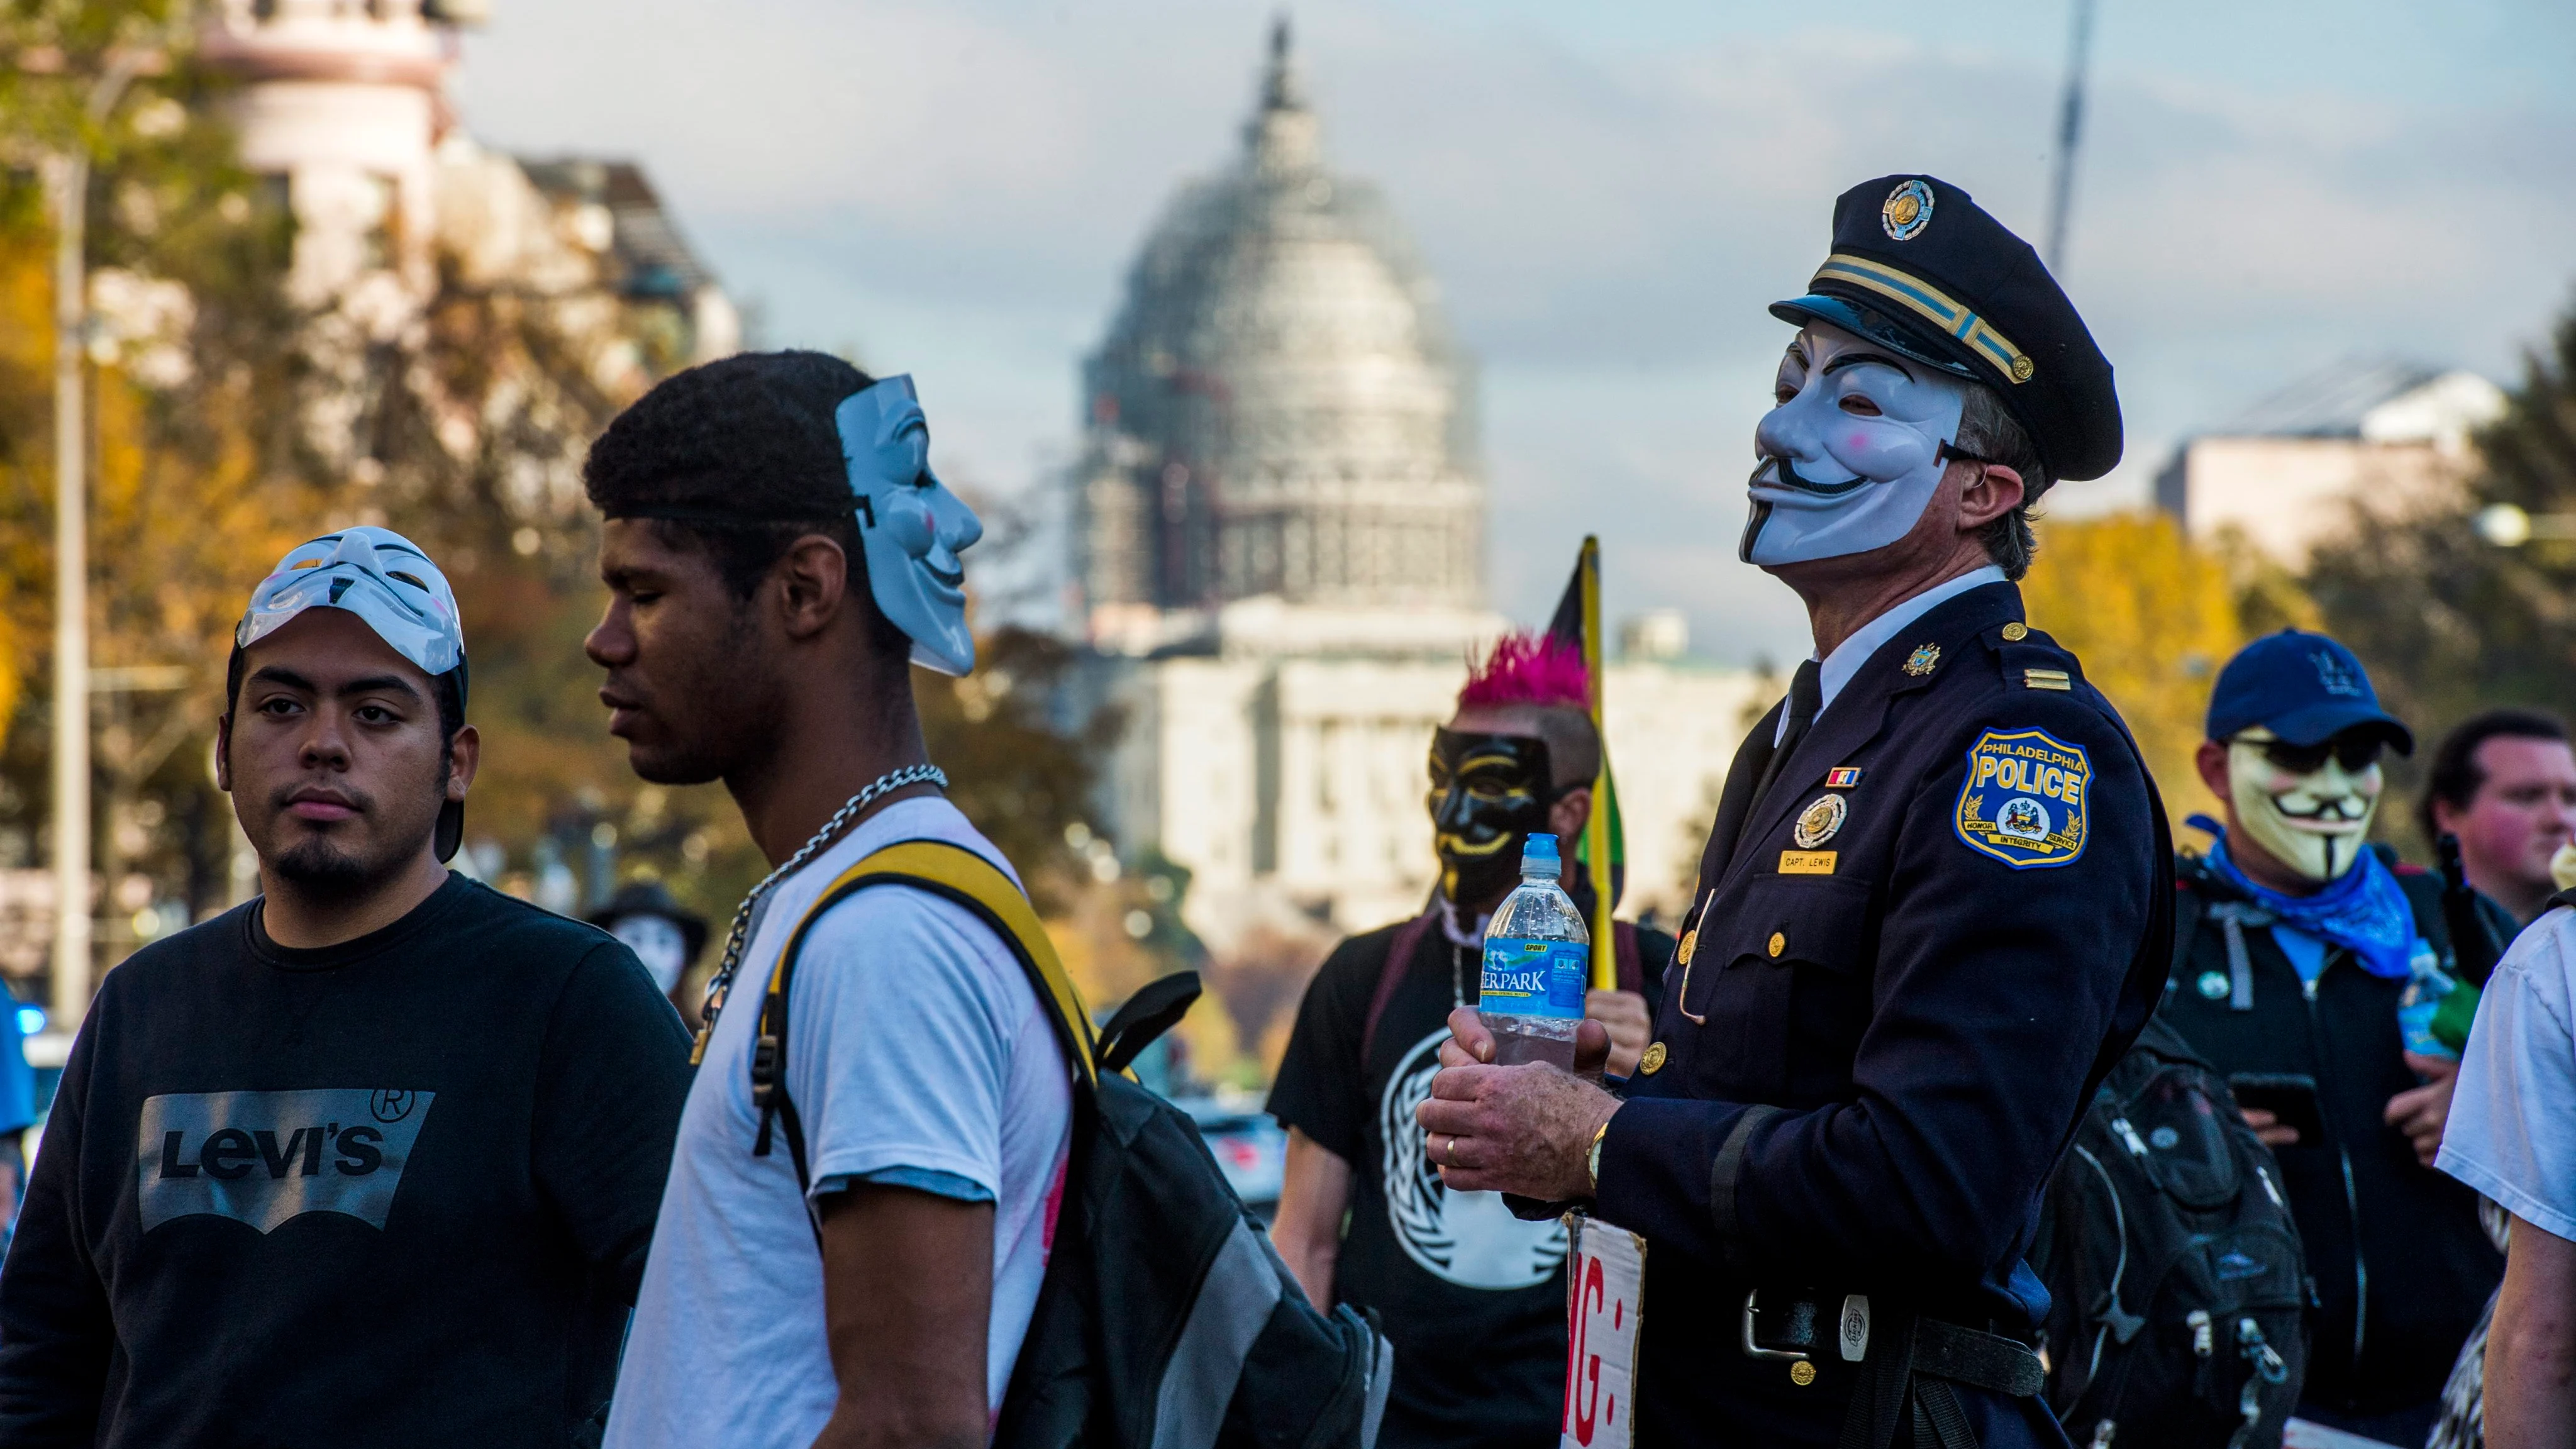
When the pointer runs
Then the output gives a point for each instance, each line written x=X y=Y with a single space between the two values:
x=374 y=1159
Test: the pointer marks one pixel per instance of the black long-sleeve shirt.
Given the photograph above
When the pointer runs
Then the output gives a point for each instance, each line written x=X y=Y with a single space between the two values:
x=391 y=1192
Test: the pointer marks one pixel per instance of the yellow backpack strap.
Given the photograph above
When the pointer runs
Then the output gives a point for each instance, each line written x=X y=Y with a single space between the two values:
x=954 y=873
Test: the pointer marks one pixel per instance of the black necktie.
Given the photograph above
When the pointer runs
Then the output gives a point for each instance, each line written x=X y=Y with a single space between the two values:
x=1806 y=696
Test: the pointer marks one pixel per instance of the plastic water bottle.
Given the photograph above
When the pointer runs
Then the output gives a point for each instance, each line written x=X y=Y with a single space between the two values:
x=1538 y=964
x=2426 y=986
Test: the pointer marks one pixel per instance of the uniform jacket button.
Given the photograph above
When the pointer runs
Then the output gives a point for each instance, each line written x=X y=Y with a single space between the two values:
x=1779 y=943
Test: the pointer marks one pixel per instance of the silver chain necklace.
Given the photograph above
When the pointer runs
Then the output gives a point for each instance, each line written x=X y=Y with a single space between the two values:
x=722 y=984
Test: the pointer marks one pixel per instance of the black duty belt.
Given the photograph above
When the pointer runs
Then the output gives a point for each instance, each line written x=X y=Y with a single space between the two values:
x=1911 y=1363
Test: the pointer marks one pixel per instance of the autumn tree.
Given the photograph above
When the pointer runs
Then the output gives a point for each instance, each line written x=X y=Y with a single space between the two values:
x=2152 y=617
x=2447 y=622
x=195 y=487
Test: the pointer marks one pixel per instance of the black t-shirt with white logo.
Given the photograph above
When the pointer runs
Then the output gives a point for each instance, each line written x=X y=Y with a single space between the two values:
x=1472 y=1298
x=392 y=1192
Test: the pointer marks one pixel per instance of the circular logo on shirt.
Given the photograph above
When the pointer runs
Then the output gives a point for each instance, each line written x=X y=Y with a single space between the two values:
x=1466 y=1238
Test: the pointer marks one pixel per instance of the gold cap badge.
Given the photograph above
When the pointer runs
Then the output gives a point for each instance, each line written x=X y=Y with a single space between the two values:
x=1907 y=211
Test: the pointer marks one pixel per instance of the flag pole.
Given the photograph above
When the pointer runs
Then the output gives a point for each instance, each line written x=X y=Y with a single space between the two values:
x=1596 y=827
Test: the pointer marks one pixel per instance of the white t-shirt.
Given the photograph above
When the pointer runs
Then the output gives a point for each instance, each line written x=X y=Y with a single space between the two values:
x=914 y=1042
x=2512 y=1131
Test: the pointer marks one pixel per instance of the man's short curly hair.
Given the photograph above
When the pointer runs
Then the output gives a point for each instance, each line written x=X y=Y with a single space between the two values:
x=747 y=448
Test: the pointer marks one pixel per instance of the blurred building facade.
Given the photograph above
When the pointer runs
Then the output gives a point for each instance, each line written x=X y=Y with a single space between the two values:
x=2285 y=474
x=1279 y=538
x=342 y=106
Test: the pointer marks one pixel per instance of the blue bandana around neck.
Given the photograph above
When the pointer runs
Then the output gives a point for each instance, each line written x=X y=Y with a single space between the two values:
x=2364 y=911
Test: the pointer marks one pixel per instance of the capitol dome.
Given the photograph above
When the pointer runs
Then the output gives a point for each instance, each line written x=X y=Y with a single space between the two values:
x=1278 y=411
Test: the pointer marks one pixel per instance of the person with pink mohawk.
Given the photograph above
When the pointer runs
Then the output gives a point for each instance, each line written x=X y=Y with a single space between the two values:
x=1472 y=1298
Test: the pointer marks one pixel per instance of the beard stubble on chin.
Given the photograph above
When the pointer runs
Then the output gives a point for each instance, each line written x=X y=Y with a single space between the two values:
x=728 y=707
x=319 y=867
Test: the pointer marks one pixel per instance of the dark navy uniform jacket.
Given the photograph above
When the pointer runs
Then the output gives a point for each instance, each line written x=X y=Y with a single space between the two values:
x=1888 y=1013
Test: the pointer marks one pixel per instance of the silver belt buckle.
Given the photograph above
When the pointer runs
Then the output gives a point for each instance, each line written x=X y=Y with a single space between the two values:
x=1755 y=1350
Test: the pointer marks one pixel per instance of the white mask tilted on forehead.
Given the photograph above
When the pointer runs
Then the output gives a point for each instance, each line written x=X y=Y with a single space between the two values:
x=374 y=573
x=1851 y=458
x=910 y=526
x=2313 y=823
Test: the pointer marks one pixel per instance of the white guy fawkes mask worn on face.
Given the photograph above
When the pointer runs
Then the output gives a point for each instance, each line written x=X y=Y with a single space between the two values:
x=911 y=527
x=657 y=942
x=2312 y=821
x=1852 y=452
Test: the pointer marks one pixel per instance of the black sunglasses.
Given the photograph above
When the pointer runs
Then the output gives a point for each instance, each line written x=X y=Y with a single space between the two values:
x=2355 y=753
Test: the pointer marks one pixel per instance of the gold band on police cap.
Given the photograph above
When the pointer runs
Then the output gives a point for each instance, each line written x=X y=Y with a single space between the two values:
x=1932 y=305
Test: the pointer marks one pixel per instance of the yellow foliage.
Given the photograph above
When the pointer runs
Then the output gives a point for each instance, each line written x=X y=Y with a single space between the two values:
x=183 y=517
x=2153 y=618
x=26 y=363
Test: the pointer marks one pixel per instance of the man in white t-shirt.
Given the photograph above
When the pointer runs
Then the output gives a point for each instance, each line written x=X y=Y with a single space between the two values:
x=2512 y=1136
x=778 y=555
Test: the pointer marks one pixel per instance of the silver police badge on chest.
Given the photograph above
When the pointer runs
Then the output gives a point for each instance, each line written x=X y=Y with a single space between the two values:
x=1818 y=822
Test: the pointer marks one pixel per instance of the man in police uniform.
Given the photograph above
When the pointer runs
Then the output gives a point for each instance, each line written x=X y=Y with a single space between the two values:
x=1935 y=907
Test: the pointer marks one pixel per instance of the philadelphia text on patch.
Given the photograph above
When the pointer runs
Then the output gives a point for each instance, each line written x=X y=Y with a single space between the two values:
x=2024 y=800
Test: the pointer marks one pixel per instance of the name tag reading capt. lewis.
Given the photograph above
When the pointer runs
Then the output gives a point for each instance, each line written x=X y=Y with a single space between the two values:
x=1605 y=1284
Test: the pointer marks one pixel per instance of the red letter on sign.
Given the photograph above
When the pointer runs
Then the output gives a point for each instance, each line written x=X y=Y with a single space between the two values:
x=1588 y=1365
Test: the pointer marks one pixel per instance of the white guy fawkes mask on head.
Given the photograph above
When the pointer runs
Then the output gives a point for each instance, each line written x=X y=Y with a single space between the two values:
x=911 y=527
x=1851 y=453
x=2314 y=819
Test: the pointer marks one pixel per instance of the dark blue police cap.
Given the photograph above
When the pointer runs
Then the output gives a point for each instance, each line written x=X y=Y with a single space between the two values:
x=2304 y=687
x=1918 y=268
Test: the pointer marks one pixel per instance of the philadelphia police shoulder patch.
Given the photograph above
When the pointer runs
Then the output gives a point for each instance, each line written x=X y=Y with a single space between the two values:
x=2025 y=799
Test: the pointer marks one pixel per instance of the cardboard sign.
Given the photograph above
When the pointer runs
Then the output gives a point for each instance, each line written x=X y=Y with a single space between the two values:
x=1605 y=1283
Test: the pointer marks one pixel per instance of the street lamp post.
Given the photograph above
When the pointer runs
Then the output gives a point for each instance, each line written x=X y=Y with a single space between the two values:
x=68 y=170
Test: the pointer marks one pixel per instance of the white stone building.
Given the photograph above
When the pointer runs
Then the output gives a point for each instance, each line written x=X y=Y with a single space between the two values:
x=342 y=106
x=2286 y=474
x=1279 y=557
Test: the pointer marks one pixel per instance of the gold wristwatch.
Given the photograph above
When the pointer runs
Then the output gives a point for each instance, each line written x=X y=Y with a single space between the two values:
x=1592 y=1158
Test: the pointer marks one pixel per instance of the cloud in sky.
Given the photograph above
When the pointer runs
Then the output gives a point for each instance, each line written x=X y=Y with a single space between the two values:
x=957 y=188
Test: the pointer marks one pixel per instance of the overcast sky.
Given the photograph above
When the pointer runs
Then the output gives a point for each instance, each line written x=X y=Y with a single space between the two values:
x=1608 y=194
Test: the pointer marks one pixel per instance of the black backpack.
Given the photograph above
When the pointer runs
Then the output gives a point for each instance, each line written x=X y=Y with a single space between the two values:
x=1166 y=1320
x=2178 y=1284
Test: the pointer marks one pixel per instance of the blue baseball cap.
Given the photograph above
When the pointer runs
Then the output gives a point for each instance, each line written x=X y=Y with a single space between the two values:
x=2303 y=687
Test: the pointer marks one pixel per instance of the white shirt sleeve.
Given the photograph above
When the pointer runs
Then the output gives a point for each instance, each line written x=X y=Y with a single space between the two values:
x=901 y=1024
x=2512 y=1129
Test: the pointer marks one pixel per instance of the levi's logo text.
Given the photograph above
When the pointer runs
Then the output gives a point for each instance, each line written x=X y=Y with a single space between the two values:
x=1535 y=978
x=2024 y=801
x=263 y=1158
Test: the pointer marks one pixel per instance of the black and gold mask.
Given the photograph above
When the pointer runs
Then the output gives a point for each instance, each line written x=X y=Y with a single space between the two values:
x=1488 y=793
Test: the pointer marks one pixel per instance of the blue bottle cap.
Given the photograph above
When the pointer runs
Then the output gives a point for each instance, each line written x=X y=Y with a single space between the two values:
x=1539 y=858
